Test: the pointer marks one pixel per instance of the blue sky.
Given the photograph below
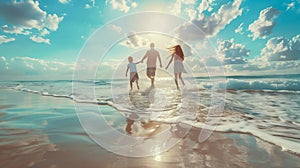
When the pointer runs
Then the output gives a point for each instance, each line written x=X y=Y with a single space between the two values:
x=41 y=39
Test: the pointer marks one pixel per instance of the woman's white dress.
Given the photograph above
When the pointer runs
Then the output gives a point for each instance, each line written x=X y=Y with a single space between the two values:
x=178 y=65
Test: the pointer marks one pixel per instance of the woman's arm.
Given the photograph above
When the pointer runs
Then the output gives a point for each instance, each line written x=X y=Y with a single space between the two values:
x=170 y=61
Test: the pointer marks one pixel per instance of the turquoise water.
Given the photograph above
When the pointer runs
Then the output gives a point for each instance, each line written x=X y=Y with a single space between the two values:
x=265 y=106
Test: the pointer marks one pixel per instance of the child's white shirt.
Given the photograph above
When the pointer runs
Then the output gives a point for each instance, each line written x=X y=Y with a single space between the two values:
x=132 y=67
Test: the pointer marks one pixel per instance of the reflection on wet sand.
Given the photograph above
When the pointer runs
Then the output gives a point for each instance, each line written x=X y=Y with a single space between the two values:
x=63 y=143
x=142 y=128
x=23 y=148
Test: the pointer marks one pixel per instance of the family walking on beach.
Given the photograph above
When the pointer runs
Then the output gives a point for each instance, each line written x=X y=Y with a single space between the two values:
x=152 y=55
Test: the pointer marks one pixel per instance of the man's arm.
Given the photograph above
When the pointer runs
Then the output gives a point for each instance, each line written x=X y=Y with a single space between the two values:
x=159 y=60
x=146 y=55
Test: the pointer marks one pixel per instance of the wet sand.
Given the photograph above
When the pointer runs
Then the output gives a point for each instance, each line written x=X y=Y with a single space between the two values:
x=39 y=131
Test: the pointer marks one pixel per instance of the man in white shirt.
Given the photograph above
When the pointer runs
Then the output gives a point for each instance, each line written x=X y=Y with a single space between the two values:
x=152 y=55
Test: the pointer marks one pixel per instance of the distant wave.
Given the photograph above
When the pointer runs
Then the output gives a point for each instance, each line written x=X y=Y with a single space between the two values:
x=258 y=84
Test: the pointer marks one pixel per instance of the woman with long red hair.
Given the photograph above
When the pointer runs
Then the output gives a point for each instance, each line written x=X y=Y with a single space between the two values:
x=178 y=57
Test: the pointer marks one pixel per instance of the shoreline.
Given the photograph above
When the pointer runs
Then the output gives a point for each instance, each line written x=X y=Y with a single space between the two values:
x=58 y=138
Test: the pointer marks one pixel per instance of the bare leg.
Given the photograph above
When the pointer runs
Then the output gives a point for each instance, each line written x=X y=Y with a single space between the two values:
x=151 y=78
x=176 y=81
x=130 y=85
x=137 y=85
x=152 y=81
x=180 y=77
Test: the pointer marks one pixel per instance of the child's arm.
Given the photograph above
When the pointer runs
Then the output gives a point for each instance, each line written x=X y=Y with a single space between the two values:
x=127 y=71
x=170 y=61
x=138 y=62
x=146 y=55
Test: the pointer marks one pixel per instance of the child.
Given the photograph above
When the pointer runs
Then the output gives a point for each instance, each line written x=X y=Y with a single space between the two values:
x=133 y=72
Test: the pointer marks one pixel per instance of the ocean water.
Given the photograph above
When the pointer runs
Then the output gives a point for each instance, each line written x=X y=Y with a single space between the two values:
x=265 y=106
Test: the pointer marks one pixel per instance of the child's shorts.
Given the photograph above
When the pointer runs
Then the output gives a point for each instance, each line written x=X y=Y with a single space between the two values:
x=134 y=76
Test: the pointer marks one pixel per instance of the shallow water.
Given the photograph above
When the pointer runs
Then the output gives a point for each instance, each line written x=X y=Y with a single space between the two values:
x=41 y=131
x=265 y=107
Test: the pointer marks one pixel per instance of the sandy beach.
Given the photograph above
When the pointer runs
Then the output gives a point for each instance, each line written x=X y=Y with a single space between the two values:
x=42 y=131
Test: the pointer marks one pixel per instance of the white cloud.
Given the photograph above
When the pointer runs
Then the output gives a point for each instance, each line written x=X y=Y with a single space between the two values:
x=27 y=67
x=257 y=66
x=87 y=6
x=232 y=53
x=239 y=29
x=280 y=56
x=177 y=6
x=26 y=15
x=3 y=63
x=188 y=2
x=135 y=41
x=191 y=13
x=282 y=49
x=290 y=5
x=210 y=25
x=14 y=30
x=52 y=21
x=122 y=5
x=64 y=1
x=3 y=59
x=40 y=39
x=4 y=39
x=134 y=5
x=205 y=5
x=263 y=26
x=44 y=32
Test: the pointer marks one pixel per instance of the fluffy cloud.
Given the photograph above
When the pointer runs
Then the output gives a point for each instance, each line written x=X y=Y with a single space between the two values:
x=3 y=63
x=176 y=8
x=25 y=67
x=122 y=5
x=257 y=66
x=64 y=1
x=205 y=5
x=232 y=53
x=14 y=30
x=39 y=39
x=87 y=6
x=263 y=26
x=282 y=49
x=134 y=5
x=290 y=5
x=191 y=13
x=44 y=32
x=4 y=39
x=280 y=56
x=26 y=15
x=239 y=29
x=135 y=41
x=210 y=25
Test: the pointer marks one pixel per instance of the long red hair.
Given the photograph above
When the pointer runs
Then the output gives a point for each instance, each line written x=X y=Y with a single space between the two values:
x=177 y=50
